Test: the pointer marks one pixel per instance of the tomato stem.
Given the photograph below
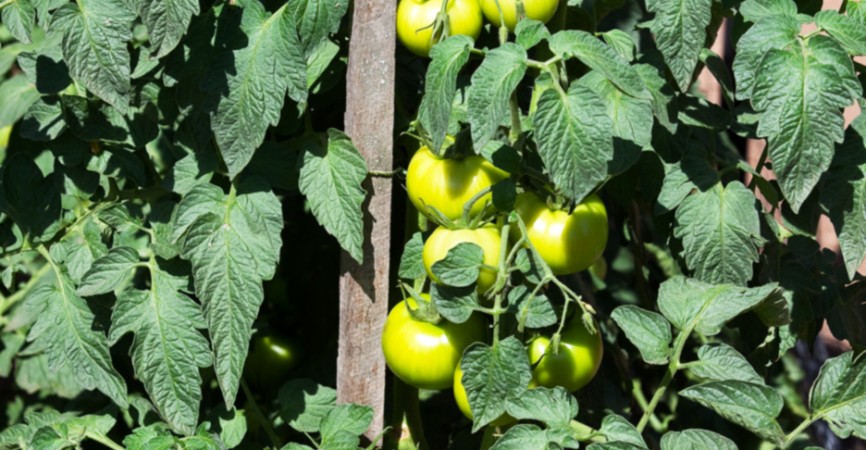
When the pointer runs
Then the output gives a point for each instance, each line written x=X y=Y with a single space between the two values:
x=673 y=367
x=412 y=410
x=467 y=207
x=266 y=423
x=104 y=440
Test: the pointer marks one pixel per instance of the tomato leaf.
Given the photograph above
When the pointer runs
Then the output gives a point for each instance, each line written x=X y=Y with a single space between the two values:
x=800 y=94
x=316 y=20
x=619 y=430
x=553 y=407
x=720 y=362
x=696 y=438
x=680 y=29
x=260 y=60
x=411 y=263
x=532 y=437
x=17 y=94
x=756 y=10
x=650 y=332
x=691 y=173
x=354 y=419
x=529 y=33
x=720 y=230
x=533 y=311
x=491 y=374
x=331 y=180
x=43 y=121
x=600 y=57
x=461 y=266
x=168 y=349
x=167 y=22
x=19 y=17
x=621 y=42
x=752 y=406
x=447 y=59
x=303 y=404
x=838 y=395
x=31 y=199
x=574 y=139
x=774 y=32
x=491 y=88
x=95 y=36
x=845 y=29
x=455 y=304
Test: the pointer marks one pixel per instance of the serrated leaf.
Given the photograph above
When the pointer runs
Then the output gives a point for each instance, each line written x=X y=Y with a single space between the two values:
x=752 y=406
x=800 y=93
x=696 y=439
x=31 y=199
x=680 y=29
x=693 y=172
x=82 y=246
x=447 y=59
x=152 y=437
x=553 y=407
x=17 y=94
x=839 y=395
x=720 y=362
x=720 y=229
x=95 y=36
x=260 y=61
x=845 y=29
x=316 y=20
x=534 y=311
x=19 y=18
x=461 y=266
x=34 y=374
x=530 y=264
x=491 y=88
x=773 y=32
x=573 y=133
x=351 y=418
x=331 y=180
x=167 y=22
x=411 y=263
x=491 y=374
x=455 y=304
x=523 y=437
x=621 y=42
x=617 y=429
x=756 y=10
x=692 y=304
x=600 y=57
x=303 y=404
x=168 y=349
x=64 y=330
x=844 y=195
x=647 y=330
x=529 y=33
x=43 y=121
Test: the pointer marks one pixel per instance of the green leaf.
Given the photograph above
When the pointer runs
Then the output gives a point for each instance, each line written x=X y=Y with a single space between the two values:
x=844 y=195
x=455 y=304
x=492 y=84
x=573 y=133
x=318 y=61
x=491 y=374
x=316 y=20
x=152 y=437
x=617 y=445
x=839 y=395
x=621 y=42
x=233 y=244
x=260 y=61
x=81 y=246
x=32 y=199
x=64 y=328
x=773 y=32
x=523 y=437
x=845 y=29
x=662 y=96
x=168 y=349
x=800 y=93
x=303 y=404
x=680 y=29
x=692 y=304
x=19 y=17
x=757 y=10
x=95 y=36
x=43 y=121
x=351 y=418
x=534 y=311
x=552 y=407
x=411 y=263
x=34 y=374
x=617 y=429
x=167 y=22
x=751 y=406
x=529 y=33
x=447 y=59
x=461 y=266
x=331 y=180
x=17 y=94
x=647 y=330
x=600 y=57
x=693 y=172
x=720 y=229
x=696 y=439
x=720 y=362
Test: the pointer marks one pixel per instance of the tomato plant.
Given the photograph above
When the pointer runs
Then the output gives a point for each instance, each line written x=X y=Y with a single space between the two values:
x=442 y=240
x=499 y=11
x=270 y=360
x=416 y=22
x=572 y=364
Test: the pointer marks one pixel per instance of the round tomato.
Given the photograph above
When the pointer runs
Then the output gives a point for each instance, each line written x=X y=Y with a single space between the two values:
x=270 y=359
x=415 y=20
x=576 y=362
x=447 y=184
x=442 y=239
x=463 y=401
x=541 y=10
x=424 y=354
x=5 y=132
x=568 y=243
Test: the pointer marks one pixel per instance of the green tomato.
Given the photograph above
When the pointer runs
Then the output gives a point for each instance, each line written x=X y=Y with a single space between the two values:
x=568 y=243
x=424 y=354
x=415 y=20
x=541 y=10
x=442 y=239
x=447 y=184
x=270 y=360
x=576 y=362
x=463 y=401
x=5 y=132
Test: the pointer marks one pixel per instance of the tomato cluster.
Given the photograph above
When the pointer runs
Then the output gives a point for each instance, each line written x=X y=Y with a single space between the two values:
x=420 y=23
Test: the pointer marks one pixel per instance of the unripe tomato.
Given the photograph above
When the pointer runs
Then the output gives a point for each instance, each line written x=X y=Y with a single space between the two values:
x=442 y=239
x=541 y=10
x=5 y=132
x=568 y=243
x=463 y=401
x=415 y=19
x=447 y=184
x=424 y=354
x=270 y=360
x=576 y=362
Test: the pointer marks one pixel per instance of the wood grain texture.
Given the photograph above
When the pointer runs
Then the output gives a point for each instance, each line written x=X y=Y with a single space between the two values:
x=364 y=288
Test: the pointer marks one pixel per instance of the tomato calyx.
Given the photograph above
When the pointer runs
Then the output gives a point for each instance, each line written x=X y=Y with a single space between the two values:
x=424 y=310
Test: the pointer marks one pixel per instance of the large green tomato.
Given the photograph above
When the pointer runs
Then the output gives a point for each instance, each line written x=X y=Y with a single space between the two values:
x=415 y=19
x=463 y=401
x=270 y=360
x=447 y=184
x=568 y=243
x=576 y=362
x=442 y=239
x=541 y=10
x=424 y=354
